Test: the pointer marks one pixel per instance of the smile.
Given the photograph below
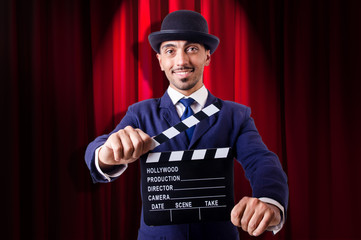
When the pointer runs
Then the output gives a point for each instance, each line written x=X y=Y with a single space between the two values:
x=183 y=71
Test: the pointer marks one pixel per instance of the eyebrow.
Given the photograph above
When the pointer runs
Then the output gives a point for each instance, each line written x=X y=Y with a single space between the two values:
x=172 y=45
x=168 y=45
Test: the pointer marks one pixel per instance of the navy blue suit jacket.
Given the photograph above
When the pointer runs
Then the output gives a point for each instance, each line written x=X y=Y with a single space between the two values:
x=231 y=127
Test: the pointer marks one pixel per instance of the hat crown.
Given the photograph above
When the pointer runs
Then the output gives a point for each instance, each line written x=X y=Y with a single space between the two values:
x=185 y=20
x=184 y=25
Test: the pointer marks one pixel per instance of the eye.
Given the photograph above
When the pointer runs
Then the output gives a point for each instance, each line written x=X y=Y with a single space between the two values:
x=169 y=51
x=192 y=49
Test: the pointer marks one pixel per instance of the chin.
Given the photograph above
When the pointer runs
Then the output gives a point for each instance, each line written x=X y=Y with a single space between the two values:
x=184 y=84
x=186 y=88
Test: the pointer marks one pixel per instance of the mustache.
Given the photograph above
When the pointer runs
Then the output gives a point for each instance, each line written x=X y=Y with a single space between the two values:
x=182 y=68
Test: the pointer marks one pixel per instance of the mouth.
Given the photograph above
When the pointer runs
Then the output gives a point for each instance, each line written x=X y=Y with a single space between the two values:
x=183 y=72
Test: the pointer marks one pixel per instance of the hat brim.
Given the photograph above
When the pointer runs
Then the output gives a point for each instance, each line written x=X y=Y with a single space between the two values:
x=156 y=38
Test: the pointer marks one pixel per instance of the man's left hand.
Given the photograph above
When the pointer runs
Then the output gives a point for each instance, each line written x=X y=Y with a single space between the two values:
x=255 y=216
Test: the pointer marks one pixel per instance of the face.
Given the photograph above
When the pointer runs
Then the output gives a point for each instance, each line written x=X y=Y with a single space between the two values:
x=183 y=63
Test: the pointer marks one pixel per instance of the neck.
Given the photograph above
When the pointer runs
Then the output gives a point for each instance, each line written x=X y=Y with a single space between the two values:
x=188 y=92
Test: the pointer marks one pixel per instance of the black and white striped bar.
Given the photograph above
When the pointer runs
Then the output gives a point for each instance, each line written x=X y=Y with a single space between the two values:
x=186 y=123
x=197 y=154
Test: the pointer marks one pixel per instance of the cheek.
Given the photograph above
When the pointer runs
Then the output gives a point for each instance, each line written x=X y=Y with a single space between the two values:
x=199 y=61
x=166 y=65
x=200 y=64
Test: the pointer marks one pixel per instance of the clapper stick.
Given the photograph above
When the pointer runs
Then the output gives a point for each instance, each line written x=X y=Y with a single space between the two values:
x=185 y=124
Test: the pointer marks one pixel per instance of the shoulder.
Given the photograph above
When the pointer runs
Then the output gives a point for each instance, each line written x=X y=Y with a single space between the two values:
x=234 y=105
x=235 y=108
x=145 y=105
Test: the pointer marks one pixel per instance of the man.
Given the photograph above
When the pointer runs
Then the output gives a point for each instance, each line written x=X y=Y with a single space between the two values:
x=184 y=48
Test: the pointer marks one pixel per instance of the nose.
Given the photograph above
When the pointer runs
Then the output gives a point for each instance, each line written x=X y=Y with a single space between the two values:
x=181 y=58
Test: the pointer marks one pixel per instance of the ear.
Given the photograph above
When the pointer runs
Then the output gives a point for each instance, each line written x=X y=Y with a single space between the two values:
x=208 y=57
x=160 y=61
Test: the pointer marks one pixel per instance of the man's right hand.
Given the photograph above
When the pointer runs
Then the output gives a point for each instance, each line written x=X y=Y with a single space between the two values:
x=123 y=147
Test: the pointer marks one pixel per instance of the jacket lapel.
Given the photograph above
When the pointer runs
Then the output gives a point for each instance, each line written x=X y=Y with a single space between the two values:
x=169 y=113
x=205 y=124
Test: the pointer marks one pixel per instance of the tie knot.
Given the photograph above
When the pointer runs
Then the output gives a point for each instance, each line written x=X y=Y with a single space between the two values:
x=186 y=101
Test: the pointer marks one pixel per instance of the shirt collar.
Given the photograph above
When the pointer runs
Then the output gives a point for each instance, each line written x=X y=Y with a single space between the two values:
x=200 y=96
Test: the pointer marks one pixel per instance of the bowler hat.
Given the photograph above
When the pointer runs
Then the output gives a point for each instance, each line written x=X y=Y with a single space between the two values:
x=184 y=25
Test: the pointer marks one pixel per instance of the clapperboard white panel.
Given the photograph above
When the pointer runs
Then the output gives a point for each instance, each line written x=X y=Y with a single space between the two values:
x=187 y=186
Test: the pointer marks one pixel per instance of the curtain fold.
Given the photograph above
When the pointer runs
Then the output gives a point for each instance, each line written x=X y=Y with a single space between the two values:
x=70 y=69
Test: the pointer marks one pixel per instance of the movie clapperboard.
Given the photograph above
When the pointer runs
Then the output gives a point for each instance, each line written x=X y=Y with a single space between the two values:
x=187 y=186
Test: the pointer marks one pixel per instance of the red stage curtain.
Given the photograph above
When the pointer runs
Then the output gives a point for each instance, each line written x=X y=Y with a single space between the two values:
x=70 y=69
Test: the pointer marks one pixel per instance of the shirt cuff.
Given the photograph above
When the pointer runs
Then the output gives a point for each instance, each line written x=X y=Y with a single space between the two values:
x=277 y=228
x=115 y=173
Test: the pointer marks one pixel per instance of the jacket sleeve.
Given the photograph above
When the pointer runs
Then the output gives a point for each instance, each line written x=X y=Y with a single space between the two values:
x=128 y=120
x=262 y=167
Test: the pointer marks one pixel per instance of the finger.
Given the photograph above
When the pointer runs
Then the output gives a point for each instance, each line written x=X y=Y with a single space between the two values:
x=245 y=219
x=254 y=222
x=137 y=143
x=237 y=213
x=127 y=145
x=248 y=213
x=115 y=145
x=106 y=154
x=262 y=225
x=147 y=140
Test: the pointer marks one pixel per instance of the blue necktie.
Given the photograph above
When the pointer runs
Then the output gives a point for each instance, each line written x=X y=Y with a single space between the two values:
x=187 y=102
